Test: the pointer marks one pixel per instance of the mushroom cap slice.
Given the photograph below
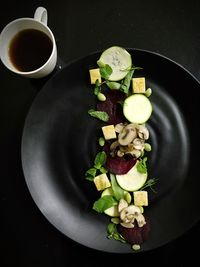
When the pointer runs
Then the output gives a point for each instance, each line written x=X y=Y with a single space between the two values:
x=127 y=135
x=138 y=143
x=143 y=132
x=122 y=204
x=140 y=220
x=130 y=210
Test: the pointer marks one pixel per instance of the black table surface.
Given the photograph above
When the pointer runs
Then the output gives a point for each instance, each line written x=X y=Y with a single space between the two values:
x=168 y=27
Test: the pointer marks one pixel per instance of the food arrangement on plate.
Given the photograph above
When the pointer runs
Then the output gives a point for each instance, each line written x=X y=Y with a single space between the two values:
x=120 y=172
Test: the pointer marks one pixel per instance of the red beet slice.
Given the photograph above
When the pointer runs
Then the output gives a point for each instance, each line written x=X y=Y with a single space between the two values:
x=112 y=106
x=136 y=235
x=119 y=165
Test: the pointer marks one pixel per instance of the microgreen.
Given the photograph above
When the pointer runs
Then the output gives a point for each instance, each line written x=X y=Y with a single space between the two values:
x=105 y=70
x=101 y=115
x=113 y=233
x=150 y=183
x=141 y=166
x=99 y=161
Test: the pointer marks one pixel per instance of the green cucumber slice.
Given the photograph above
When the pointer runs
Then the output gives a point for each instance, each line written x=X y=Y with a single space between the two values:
x=119 y=60
x=137 y=108
x=112 y=211
x=132 y=180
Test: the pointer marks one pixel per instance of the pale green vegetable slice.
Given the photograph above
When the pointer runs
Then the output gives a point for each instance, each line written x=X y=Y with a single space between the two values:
x=112 y=211
x=118 y=59
x=137 y=108
x=133 y=180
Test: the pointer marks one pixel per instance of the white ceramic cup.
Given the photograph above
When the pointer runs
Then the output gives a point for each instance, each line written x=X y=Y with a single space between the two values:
x=39 y=22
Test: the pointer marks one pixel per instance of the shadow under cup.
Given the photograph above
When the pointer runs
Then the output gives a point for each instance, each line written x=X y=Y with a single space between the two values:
x=11 y=32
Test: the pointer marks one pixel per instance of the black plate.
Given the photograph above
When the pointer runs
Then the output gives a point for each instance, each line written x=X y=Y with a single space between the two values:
x=60 y=142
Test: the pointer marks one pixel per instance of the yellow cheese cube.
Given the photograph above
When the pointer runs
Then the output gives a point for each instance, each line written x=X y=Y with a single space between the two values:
x=95 y=75
x=138 y=85
x=109 y=132
x=101 y=181
x=140 y=198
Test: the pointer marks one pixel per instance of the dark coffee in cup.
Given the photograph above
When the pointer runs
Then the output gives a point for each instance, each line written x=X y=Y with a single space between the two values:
x=30 y=49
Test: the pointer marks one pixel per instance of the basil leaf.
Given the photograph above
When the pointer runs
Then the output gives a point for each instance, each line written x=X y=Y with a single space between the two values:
x=105 y=71
x=101 y=115
x=100 y=159
x=104 y=203
x=126 y=82
x=117 y=190
x=141 y=166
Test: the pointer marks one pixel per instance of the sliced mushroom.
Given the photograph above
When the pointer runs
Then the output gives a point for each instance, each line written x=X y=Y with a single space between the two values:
x=119 y=127
x=140 y=220
x=143 y=132
x=120 y=153
x=138 y=144
x=130 y=210
x=114 y=145
x=122 y=205
x=135 y=153
x=127 y=225
x=126 y=136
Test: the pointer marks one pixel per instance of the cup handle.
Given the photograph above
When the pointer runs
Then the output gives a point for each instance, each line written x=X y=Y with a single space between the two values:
x=41 y=15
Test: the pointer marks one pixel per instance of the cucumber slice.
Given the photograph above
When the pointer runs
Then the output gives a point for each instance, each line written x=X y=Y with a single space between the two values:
x=112 y=211
x=132 y=180
x=119 y=60
x=137 y=108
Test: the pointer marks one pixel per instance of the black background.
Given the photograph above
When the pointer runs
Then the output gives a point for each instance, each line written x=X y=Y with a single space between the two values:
x=81 y=27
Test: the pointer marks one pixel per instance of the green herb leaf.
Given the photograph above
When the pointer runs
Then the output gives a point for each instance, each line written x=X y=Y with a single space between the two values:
x=117 y=190
x=103 y=170
x=113 y=233
x=119 y=237
x=101 y=115
x=97 y=88
x=91 y=171
x=141 y=166
x=132 y=68
x=113 y=85
x=126 y=82
x=90 y=174
x=111 y=228
x=104 y=203
x=100 y=159
x=89 y=178
x=105 y=71
x=150 y=183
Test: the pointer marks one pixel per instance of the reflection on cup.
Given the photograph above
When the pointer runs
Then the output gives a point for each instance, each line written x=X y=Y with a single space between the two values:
x=28 y=47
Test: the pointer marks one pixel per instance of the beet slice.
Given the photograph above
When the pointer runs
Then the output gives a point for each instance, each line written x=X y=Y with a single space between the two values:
x=135 y=235
x=112 y=106
x=119 y=165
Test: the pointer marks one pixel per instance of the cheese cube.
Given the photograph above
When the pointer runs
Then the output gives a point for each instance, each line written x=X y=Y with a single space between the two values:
x=140 y=198
x=95 y=75
x=109 y=132
x=101 y=181
x=138 y=85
